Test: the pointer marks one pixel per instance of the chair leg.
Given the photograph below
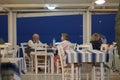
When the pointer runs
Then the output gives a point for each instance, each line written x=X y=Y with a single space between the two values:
x=45 y=65
x=80 y=73
x=57 y=67
x=36 y=67
x=76 y=73
x=87 y=76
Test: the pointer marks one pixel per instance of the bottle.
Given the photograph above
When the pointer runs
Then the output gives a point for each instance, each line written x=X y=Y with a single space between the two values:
x=54 y=41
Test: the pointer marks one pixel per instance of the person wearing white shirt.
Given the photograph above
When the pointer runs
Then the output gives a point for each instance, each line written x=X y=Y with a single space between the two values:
x=33 y=43
x=35 y=40
x=65 y=41
x=65 y=44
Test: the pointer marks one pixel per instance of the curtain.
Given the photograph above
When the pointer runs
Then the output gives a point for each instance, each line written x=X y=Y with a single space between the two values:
x=117 y=28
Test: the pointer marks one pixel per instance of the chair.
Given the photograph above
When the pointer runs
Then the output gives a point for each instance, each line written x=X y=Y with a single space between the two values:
x=9 y=50
x=12 y=51
x=28 y=62
x=41 y=59
x=66 y=68
x=73 y=46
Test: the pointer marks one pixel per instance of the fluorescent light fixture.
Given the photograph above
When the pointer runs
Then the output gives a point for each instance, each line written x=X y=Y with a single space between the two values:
x=50 y=6
x=99 y=2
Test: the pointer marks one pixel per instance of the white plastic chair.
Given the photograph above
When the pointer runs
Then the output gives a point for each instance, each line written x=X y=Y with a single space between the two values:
x=66 y=68
x=28 y=62
x=12 y=51
x=73 y=46
x=41 y=60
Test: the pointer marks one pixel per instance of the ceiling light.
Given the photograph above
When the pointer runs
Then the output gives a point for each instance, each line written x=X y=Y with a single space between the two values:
x=50 y=6
x=99 y=2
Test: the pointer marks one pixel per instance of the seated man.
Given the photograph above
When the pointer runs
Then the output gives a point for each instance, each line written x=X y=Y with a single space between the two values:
x=32 y=44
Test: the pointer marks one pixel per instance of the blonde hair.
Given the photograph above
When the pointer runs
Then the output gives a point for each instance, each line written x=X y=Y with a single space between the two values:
x=65 y=36
x=95 y=37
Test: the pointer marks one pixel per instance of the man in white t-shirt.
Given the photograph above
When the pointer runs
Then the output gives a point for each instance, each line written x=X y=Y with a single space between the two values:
x=33 y=43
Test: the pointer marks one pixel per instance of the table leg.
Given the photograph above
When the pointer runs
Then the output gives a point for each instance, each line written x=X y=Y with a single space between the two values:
x=52 y=64
x=102 y=71
x=94 y=75
x=72 y=71
x=36 y=70
x=79 y=73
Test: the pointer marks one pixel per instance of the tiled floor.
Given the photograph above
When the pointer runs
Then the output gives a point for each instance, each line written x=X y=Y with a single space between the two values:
x=30 y=76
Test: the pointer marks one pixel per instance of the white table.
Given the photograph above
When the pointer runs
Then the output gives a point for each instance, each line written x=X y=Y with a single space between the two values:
x=78 y=56
x=17 y=61
x=42 y=54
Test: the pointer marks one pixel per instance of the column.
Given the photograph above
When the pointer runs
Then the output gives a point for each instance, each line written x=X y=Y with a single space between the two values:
x=12 y=38
x=86 y=27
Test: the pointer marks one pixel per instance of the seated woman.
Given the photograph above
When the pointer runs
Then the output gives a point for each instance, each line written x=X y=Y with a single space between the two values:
x=65 y=44
x=96 y=41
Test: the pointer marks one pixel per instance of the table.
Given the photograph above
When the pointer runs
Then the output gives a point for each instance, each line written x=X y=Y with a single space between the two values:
x=15 y=64
x=78 y=56
x=51 y=54
x=17 y=61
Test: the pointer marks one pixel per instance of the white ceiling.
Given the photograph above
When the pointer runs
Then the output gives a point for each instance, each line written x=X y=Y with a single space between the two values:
x=48 y=1
x=25 y=5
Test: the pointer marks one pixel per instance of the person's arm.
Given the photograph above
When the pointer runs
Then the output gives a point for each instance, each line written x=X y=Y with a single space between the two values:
x=31 y=44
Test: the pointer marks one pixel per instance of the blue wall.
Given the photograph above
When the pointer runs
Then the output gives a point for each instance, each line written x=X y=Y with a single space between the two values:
x=4 y=27
x=50 y=27
x=105 y=25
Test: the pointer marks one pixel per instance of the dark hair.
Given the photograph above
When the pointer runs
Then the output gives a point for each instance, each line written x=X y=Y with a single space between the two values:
x=65 y=36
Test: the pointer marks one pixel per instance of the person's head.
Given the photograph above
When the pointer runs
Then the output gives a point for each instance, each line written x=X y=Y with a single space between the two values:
x=64 y=36
x=95 y=37
x=35 y=37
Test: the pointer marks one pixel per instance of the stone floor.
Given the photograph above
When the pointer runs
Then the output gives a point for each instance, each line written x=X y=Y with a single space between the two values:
x=31 y=76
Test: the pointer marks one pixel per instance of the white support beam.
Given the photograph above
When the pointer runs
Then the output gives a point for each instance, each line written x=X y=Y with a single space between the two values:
x=88 y=16
x=43 y=5
x=19 y=15
x=12 y=28
x=86 y=27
